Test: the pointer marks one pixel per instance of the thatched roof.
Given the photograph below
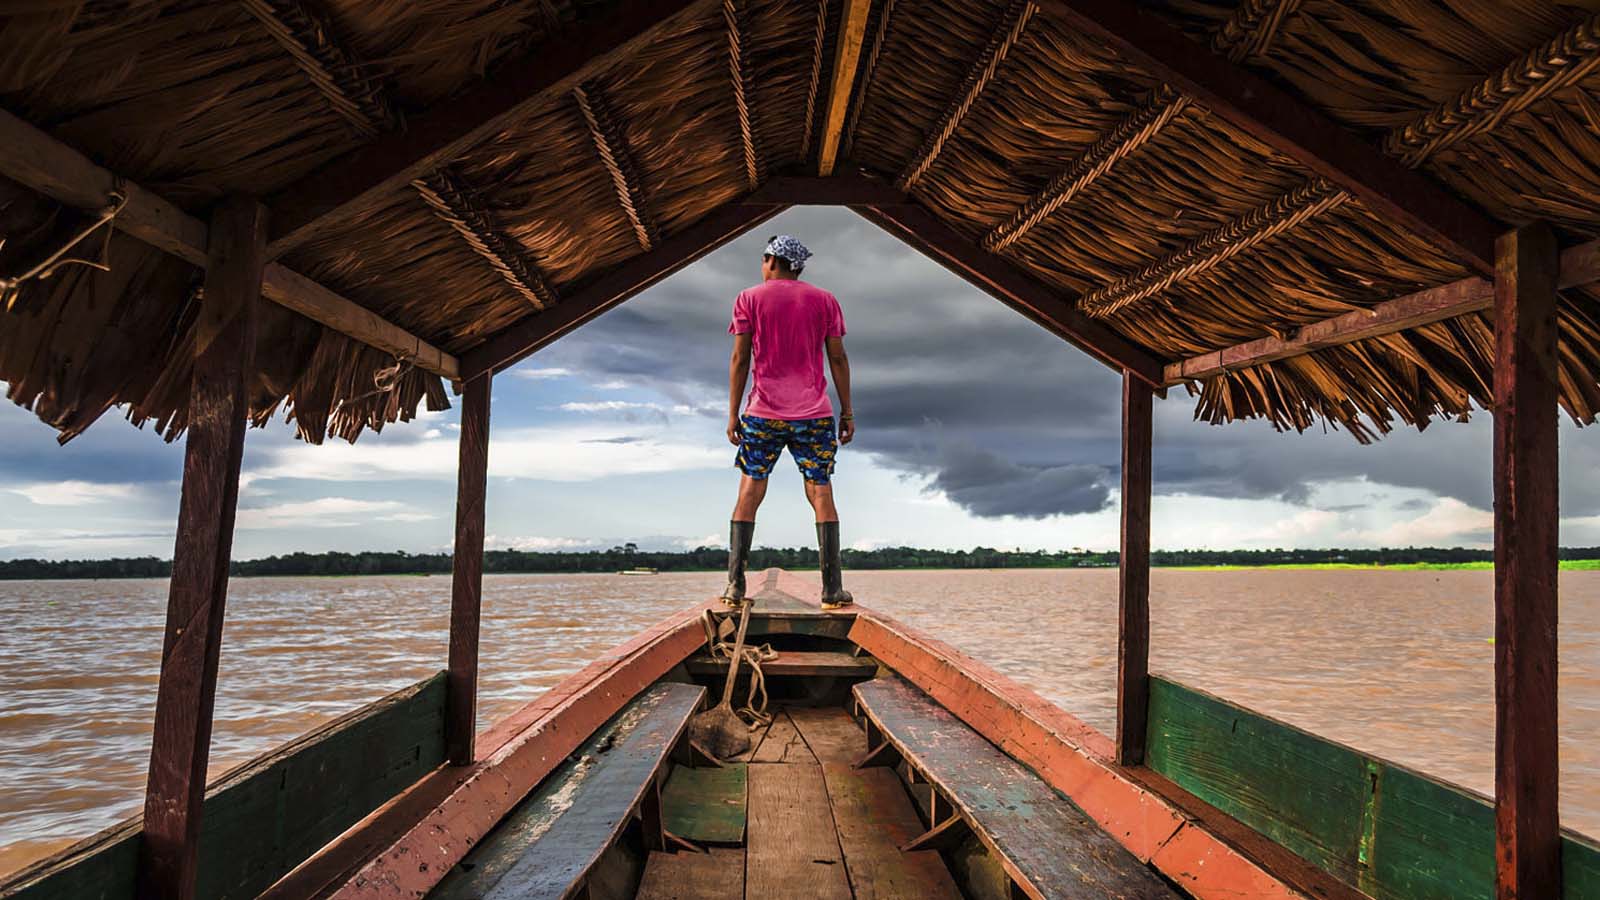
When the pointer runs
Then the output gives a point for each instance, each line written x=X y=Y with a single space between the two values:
x=1065 y=159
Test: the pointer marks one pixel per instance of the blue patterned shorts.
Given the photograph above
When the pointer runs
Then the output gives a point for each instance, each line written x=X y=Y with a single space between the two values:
x=812 y=442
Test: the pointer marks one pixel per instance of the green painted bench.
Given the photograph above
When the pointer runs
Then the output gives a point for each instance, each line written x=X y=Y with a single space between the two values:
x=1048 y=846
x=547 y=845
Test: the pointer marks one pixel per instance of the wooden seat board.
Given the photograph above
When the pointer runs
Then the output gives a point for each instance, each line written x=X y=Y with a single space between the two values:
x=717 y=874
x=706 y=805
x=783 y=743
x=829 y=732
x=792 y=852
x=874 y=817
x=551 y=839
x=795 y=663
x=1046 y=843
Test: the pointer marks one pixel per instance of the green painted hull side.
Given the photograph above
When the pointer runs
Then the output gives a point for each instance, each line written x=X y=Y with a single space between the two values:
x=1387 y=830
x=267 y=817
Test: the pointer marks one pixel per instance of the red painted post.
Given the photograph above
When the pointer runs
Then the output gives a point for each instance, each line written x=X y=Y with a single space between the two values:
x=218 y=407
x=467 y=587
x=1527 y=824
x=1133 y=572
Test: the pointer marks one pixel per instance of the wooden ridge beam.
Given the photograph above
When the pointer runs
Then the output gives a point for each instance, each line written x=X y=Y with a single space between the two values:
x=40 y=162
x=1011 y=286
x=1006 y=33
x=1274 y=117
x=459 y=206
x=609 y=143
x=624 y=280
x=1580 y=265
x=442 y=133
x=846 y=59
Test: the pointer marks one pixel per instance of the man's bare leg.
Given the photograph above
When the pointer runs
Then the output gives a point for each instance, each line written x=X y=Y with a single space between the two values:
x=741 y=532
x=821 y=497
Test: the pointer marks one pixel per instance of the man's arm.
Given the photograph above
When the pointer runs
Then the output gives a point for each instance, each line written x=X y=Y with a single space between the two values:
x=839 y=365
x=738 y=374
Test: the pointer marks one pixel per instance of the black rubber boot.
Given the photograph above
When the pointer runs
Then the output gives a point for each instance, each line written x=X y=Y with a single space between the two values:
x=739 y=536
x=834 y=595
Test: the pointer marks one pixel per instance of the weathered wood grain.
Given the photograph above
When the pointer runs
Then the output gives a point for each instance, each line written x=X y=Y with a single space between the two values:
x=829 y=732
x=794 y=663
x=874 y=818
x=852 y=32
x=547 y=844
x=792 y=852
x=717 y=874
x=783 y=743
x=1133 y=572
x=1526 y=532
x=263 y=818
x=225 y=338
x=706 y=805
x=466 y=589
x=1049 y=846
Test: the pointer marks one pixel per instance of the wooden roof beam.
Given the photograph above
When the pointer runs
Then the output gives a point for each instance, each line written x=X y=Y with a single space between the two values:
x=846 y=59
x=869 y=68
x=616 y=285
x=441 y=134
x=1005 y=36
x=606 y=132
x=733 y=13
x=34 y=159
x=1580 y=265
x=1272 y=116
x=1041 y=303
x=458 y=205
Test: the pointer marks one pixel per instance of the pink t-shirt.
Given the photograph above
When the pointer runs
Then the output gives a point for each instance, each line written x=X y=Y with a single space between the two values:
x=788 y=321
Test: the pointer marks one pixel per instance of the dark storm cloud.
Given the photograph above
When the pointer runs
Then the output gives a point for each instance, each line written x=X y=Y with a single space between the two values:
x=1003 y=417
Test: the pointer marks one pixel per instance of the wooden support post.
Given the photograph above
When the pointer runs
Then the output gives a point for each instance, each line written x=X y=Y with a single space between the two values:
x=1527 y=827
x=466 y=599
x=1133 y=573
x=218 y=408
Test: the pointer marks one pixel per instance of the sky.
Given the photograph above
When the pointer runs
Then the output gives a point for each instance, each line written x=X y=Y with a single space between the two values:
x=974 y=428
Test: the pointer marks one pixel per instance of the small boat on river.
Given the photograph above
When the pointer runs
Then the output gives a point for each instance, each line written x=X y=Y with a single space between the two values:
x=1344 y=215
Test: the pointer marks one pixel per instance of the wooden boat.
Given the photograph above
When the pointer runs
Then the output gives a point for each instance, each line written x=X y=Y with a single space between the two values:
x=1349 y=213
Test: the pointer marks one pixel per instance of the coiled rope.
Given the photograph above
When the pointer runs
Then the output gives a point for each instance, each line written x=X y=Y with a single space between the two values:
x=718 y=630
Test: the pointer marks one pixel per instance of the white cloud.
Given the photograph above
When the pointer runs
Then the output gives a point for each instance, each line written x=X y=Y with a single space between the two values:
x=550 y=454
x=608 y=406
x=73 y=493
x=534 y=543
x=328 y=512
x=542 y=374
x=1448 y=523
x=615 y=384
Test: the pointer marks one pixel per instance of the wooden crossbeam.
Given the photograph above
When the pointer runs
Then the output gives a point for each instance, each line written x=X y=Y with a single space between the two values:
x=1269 y=114
x=1580 y=265
x=459 y=206
x=516 y=341
x=1005 y=36
x=606 y=132
x=846 y=57
x=40 y=162
x=442 y=133
x=733 y=13
x=1042 y=304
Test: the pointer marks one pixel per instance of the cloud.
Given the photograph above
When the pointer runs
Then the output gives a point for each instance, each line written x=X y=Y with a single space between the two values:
x=1448 y=523
x=984 y=484
x=328 y=512
x=73 y=493
x=543 y=374
x=535 y=543
x=608 y=406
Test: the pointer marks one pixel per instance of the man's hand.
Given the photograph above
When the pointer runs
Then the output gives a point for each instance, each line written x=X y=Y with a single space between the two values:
x=733 y=431
x=847 y=430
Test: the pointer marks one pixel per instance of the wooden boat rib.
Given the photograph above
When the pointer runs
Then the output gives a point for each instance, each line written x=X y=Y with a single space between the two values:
x=895 y=766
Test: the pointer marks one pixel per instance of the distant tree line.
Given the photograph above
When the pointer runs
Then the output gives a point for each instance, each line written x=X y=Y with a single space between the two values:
x=629 y=556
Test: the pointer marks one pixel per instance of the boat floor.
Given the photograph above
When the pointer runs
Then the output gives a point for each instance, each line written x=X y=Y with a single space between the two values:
x=816 y=827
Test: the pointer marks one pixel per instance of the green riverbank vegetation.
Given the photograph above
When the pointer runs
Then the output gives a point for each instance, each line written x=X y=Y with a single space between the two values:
x=628 y=556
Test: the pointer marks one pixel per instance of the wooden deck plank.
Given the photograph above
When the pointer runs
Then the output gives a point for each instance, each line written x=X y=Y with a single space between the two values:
x=1047 y=844
x=795 y=662
x=830 y=733
x=783 y=743
x=715 y=875
x=554 y=836
x=874 y=817
x=706 y=805
x=792 y=852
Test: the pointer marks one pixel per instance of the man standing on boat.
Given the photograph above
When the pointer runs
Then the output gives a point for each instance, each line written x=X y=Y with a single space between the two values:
x=782 y=329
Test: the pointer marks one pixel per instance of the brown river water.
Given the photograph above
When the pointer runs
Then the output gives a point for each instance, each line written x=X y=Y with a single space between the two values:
x=1399 y=664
